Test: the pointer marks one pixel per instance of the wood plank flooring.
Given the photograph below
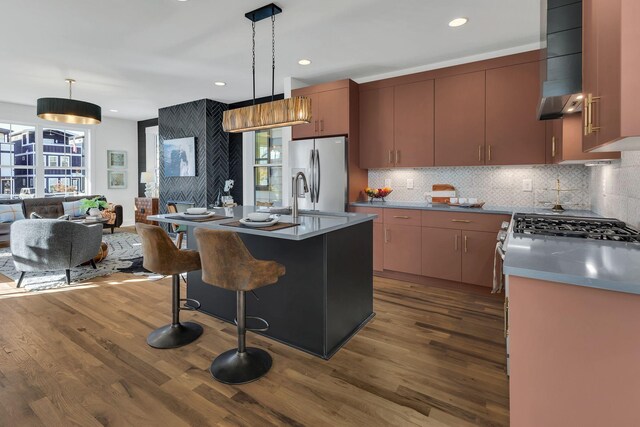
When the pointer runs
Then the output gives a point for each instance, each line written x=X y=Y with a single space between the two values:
x=78 y=357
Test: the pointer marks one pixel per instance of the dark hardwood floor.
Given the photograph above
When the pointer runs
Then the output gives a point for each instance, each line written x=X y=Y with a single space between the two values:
x=78 y=356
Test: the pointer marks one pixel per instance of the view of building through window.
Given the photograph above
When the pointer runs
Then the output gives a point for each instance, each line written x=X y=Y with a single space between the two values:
x=268 y=167
x=63 y=161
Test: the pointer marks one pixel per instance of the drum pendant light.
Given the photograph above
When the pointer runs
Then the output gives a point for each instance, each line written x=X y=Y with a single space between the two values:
x=69 y=110
x=274 y=114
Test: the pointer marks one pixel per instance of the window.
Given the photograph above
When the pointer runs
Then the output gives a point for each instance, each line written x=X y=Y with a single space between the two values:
x=62 y=170
x=65 y=171
x=268 y=167
x=17 y=161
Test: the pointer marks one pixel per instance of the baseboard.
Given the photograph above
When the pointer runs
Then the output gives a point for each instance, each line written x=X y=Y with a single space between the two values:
x=438 y=283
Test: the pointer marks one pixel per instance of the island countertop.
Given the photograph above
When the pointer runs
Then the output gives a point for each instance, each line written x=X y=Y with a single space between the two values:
x=312 y=223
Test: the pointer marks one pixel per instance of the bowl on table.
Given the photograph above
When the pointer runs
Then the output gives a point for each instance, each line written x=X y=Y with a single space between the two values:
x=259 y=216
x=197 y=211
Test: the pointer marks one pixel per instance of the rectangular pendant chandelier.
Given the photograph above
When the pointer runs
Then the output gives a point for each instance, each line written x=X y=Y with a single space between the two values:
x=274 y=114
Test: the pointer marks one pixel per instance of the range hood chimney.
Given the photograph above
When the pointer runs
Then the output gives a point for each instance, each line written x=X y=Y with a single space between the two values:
x=562 y=85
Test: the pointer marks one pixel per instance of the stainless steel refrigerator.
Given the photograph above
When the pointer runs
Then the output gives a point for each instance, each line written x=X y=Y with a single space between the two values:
x=324 y=162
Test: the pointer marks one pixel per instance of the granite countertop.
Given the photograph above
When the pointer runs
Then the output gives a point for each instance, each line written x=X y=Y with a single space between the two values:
x=311 y=223
x=613 y=266
x=505 y=210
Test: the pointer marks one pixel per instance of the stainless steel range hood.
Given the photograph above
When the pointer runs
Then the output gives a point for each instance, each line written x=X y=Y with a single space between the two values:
x=562 y=74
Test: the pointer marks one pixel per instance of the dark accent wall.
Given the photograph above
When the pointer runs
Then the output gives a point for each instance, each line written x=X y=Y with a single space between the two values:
x=142 y=150
x=235 y=149
x=203 y=120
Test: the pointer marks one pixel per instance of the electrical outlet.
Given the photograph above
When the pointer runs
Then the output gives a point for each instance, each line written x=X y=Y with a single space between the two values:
x=527 y=185
x=387 y=182
x=409 y=184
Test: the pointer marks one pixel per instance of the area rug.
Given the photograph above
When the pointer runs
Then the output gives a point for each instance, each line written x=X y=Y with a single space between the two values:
x=125 y=255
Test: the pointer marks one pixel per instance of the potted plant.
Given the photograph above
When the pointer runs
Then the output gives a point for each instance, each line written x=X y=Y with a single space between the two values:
x=93 y=206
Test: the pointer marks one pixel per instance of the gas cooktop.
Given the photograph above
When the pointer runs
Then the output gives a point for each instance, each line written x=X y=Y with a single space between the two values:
x=567 y=226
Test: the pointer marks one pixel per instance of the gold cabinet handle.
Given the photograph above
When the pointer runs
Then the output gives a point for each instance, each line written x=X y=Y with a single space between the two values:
x=401 y=216
x=466 y=221
x=479 y=153
x=455 y=243
x=489 y=154
x=585 y=116
x=506 y=317
x=322 y=125
x=553 y=146
x=386 y=235
x=397 y=156
x=589 y=127
x=465 y=244
x=390 y=156
x=594 y=99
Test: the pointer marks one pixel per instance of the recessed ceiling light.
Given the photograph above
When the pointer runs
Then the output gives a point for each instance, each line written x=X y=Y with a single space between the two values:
x=113 y=111
x=220 y=83
x=304 y=62
x=458 y=22
x=182 y=0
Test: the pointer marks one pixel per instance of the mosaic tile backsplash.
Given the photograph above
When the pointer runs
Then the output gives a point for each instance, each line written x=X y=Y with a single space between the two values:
x=495 y=185
x=615 y=189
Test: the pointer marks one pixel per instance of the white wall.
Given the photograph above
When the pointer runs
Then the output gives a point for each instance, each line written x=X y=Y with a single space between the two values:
x=112 y=134
x=615 y=189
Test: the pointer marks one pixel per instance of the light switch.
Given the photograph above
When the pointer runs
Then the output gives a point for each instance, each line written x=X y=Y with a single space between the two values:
x=387 y=182
x=409 y=184
x=527 y=185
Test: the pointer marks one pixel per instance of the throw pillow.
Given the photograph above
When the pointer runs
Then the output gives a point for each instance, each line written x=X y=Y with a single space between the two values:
x=10 y=213
x=36 y=216
x=73 y=209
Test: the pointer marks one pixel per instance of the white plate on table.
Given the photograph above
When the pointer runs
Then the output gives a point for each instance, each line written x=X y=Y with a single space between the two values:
x=259 y=224
x=195 y=216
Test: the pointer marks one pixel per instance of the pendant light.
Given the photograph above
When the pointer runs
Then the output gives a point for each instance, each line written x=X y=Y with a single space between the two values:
x=274 y=114
x=69 y=110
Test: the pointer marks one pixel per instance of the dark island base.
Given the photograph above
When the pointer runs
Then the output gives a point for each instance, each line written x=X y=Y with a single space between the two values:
x=325 y=297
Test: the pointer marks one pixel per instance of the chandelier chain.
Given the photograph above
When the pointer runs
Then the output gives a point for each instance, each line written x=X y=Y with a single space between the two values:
x=273 y=55
x=253 y=59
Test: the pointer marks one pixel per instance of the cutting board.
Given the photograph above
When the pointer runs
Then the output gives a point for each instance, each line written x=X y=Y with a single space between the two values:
x=447 y=190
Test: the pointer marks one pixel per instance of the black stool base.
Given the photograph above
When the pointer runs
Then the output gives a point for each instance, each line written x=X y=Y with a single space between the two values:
x=173 y=336
x=232 y=367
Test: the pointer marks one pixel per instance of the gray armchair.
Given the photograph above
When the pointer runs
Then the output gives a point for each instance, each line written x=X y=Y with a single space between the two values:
x=51 y=244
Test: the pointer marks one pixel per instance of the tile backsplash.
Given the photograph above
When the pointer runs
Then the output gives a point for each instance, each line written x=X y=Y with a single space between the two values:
x=615 y=189
x=495 y=185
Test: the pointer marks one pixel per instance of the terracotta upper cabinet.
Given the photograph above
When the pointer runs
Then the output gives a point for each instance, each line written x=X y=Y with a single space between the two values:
x=376 y=128
x=459 y=120
x=567 y=142
x=514 y=135
x=329 y=110
x=414 y=124
x=611 y=78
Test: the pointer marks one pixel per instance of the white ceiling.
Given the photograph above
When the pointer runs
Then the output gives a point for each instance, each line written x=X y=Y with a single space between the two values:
x=139 y=55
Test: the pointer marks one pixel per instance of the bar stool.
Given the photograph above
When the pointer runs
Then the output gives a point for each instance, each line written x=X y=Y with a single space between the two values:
x=161 y=256
x=227 y=263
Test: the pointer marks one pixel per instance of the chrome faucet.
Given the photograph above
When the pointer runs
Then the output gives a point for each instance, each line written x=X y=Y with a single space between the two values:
x=295 y=193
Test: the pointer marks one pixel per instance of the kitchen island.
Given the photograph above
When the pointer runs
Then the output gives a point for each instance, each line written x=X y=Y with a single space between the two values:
x=326 y=295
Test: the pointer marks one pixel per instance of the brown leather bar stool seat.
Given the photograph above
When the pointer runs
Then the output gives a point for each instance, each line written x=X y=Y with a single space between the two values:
x=227 y=263
x=161 y=256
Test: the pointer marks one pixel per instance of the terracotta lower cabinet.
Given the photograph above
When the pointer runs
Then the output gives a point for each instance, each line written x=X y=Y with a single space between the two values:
x=478 y=249
x=378 y=246
x=402 y=248
x=441 y=253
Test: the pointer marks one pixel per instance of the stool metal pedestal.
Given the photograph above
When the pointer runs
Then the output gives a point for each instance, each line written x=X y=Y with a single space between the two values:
x=244 y=364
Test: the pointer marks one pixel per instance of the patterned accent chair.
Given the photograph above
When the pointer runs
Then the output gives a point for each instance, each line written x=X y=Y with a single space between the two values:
x=50 y=244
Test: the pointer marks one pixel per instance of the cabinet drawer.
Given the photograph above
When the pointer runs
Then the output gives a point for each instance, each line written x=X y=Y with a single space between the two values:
x=464 y=220
x=402 y=217
x=366 y=210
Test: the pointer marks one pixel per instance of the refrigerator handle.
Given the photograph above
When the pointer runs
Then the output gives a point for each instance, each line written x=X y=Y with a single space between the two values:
x=311 y=177
x=318 y=178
